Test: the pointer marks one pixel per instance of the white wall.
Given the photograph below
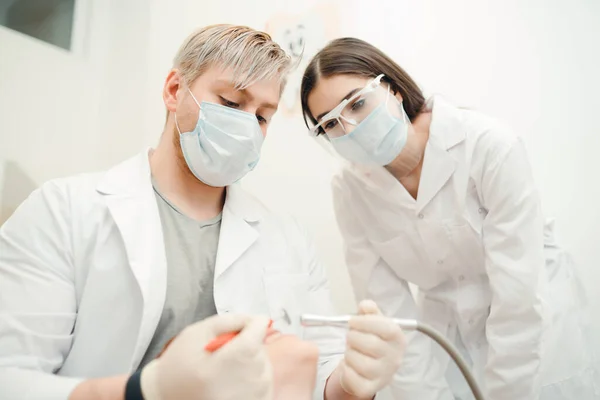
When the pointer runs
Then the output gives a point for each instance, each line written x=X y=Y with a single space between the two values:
x=68 y=112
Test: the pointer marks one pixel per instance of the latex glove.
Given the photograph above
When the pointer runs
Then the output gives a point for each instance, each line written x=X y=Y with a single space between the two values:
x=374 y=349
x=238 y=370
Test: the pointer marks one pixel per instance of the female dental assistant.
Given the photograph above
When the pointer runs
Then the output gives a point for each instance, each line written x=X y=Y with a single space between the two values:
x=444 y=198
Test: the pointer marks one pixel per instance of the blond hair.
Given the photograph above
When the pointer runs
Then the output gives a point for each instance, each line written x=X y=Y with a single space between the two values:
x=252 y=55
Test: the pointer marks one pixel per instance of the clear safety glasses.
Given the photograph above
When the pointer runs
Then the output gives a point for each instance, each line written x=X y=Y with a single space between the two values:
x=352 y=111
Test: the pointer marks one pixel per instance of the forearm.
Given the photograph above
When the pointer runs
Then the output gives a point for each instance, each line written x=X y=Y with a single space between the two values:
x=111 y=388
x=334 y=390
x=510 y=346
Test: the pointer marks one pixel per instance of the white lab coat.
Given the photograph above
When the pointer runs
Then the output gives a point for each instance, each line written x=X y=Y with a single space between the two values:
x=83 y=279
x=473 y=243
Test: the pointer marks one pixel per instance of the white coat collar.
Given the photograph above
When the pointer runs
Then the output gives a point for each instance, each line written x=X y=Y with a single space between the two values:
x=445 y=132
x=241 y=213
x=130 y=177
x=129 y=197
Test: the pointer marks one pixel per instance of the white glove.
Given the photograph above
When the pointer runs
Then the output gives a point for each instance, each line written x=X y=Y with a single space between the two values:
x=238 y=370
x=374 y=349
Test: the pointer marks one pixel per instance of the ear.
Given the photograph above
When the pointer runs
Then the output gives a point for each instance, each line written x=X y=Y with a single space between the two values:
x=171 y=90
x=398 y=96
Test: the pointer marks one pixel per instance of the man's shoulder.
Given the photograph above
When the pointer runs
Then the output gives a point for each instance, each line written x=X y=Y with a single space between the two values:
x=85 y=185
x=74 y=183
x=489 y=135
x=72 y=190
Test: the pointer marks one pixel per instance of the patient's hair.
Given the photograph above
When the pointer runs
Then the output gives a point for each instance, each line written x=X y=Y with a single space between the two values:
x=252 y=55
x=351 y=56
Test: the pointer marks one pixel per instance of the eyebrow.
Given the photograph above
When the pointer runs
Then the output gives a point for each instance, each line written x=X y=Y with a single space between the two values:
x=263 y=105
x=346 y=97
x=248 y=95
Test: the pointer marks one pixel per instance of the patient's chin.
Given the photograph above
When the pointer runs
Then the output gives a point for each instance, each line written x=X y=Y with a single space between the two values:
x=294 y=367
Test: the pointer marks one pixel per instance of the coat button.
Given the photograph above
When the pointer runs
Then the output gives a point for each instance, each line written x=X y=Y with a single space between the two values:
x=440 y=262
x=226 y=311
x=461 y=278
x=481 y=210
x=421 y=216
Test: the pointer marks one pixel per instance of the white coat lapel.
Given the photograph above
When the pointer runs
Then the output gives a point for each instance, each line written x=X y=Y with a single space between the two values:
x=438 y=167
x=128 y=193
x=445 y=132
x=238 y=233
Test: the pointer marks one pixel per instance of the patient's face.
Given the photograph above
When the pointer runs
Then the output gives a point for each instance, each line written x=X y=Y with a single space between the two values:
x=294 y=366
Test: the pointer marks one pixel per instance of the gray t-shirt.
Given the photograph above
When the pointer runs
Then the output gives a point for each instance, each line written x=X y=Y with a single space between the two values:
x=191 y=250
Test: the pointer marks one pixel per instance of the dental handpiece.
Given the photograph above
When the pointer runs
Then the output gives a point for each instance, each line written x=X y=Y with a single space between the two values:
x=342 y=321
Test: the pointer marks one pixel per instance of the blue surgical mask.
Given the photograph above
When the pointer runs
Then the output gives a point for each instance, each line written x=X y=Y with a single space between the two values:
x=224 y=146
x=378 y=139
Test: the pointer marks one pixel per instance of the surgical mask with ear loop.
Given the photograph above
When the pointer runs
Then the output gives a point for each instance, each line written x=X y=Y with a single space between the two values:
x=224 y=146
x=378 y=136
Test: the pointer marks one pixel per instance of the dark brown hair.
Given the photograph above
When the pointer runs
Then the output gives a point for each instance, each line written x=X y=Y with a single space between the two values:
x=351 y=56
